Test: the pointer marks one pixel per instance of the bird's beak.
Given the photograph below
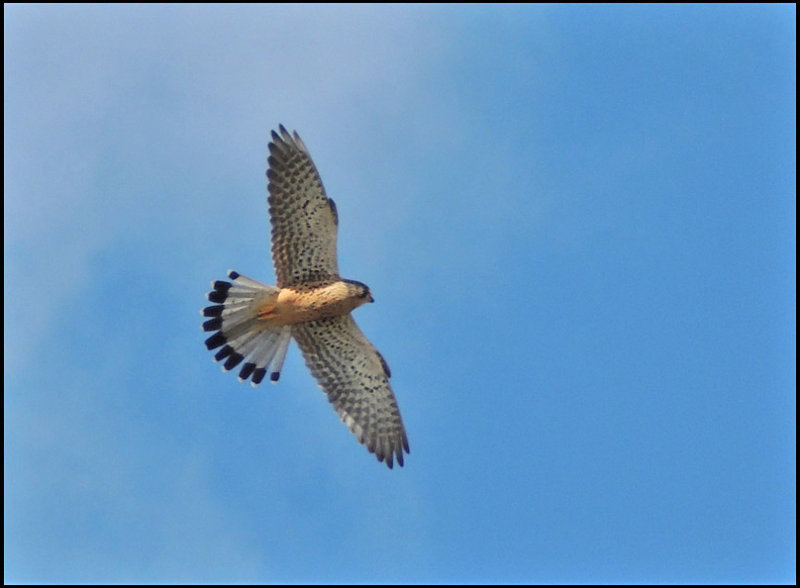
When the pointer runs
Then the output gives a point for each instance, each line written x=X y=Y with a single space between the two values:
x=371 y=299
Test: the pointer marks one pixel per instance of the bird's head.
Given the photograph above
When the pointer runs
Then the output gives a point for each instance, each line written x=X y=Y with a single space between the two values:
x=360 y=291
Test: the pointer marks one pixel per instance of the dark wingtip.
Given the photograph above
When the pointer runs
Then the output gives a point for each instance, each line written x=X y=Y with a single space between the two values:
x=274 y=376
x=258 y=375
x=219 y=292
x=223 y=353
x=280 y=136
x=215 y=341
x=214 y=324
x=232 y=361
x=213 y=310
x=247 y=369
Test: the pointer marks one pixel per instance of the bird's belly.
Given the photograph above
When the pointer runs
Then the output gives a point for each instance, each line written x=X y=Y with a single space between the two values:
x=291 y=306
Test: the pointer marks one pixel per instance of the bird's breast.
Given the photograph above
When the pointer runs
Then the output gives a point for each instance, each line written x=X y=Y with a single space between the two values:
x=292 y=305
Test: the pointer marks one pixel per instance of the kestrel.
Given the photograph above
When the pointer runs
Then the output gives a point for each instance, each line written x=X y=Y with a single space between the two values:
x=254 y=322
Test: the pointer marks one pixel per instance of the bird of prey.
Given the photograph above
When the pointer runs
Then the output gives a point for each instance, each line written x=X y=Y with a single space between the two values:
x=253 y=323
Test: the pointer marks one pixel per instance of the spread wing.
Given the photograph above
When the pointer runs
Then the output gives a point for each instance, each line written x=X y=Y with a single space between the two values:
x=355 y=377
x=304 y=220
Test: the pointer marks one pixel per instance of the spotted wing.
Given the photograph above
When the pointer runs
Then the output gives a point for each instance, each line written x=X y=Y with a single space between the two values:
x=304 y=219
x=355 y=378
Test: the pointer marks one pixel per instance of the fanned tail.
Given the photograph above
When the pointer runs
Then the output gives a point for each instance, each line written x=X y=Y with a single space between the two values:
x=239 y=332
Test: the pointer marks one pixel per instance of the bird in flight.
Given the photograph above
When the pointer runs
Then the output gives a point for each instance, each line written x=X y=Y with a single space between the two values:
x=253 y=323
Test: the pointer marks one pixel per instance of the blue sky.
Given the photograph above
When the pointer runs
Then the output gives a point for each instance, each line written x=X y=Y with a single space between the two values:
x=579 y=226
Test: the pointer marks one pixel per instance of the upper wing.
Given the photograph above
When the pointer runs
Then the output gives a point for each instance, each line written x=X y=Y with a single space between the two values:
x=355 y=377
x=303 y=219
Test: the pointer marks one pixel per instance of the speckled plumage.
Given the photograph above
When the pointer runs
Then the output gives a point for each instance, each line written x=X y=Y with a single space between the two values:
x=304 y=220
x=355 y=377
x=253 y=322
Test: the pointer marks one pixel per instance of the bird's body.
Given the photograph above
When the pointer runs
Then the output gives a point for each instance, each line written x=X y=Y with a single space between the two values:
x=297 y=305
x=254 y=322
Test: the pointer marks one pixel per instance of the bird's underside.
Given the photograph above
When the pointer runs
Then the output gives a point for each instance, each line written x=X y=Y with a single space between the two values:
x=253 y=323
